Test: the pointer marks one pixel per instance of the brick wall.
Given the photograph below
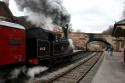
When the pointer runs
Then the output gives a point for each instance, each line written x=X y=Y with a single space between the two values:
x=78 y=39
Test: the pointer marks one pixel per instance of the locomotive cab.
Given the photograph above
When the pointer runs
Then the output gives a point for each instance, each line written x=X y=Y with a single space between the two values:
x=38 y=44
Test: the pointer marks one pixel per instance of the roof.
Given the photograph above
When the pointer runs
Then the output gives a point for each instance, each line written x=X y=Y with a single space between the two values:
x=121 y=22
x=119 y=31
x=9 y=24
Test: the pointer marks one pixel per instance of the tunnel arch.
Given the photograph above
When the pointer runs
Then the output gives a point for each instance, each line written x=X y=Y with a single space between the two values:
x=100 y=40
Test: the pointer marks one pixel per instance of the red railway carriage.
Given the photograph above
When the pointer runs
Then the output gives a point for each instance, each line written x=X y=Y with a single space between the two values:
x=12 y=43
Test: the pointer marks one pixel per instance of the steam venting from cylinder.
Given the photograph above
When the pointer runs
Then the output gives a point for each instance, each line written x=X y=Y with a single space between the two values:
x=45 y=13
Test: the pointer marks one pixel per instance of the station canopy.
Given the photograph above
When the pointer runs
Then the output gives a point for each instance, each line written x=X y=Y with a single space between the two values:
x=119 y=29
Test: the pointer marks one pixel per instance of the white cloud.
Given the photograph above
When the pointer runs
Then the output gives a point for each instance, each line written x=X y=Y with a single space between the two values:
x=94 y=15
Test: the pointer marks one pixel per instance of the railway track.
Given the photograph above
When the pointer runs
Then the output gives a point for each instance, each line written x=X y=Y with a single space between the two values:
x=5 y=74
x=72 y=74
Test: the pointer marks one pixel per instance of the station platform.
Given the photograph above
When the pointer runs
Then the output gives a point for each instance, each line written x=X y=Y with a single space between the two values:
x=112 y=69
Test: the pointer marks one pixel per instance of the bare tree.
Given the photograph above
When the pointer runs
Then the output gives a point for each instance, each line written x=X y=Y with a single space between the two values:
x=108 y=31
x=70 y=29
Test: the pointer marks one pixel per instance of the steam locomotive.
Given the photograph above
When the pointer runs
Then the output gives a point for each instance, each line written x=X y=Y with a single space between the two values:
x=46 y=46
x=29 y=46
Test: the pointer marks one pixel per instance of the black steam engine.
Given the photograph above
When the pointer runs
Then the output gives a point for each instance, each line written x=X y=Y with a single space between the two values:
x=46 y=47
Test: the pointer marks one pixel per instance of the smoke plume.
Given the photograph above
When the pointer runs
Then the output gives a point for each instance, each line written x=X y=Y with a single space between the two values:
x=45 y=12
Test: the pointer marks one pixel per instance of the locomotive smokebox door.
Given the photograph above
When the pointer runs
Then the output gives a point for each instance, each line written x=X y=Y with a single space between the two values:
x=43 y=48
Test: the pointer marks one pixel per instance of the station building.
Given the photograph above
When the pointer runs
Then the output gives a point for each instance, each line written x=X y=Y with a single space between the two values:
x=119 y=33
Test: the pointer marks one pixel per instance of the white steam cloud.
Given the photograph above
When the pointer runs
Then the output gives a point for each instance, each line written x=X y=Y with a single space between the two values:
x=25 y=71
x=36 y=70
x=71 y=44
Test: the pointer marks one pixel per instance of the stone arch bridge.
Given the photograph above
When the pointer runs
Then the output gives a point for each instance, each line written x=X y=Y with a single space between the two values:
x=107 y=39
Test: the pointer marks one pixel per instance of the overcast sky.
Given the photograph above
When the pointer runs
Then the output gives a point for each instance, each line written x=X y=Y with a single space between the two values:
x=91 y=16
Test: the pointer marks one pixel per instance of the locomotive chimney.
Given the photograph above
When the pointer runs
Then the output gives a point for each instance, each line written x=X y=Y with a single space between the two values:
x=65 y=30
